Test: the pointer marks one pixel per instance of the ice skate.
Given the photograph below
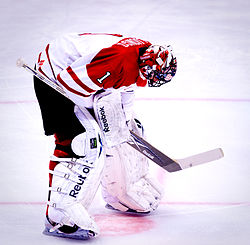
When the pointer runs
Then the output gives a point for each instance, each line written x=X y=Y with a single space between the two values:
x=65 y=231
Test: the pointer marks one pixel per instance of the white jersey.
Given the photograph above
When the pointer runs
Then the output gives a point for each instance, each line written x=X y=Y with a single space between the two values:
x=83 y=64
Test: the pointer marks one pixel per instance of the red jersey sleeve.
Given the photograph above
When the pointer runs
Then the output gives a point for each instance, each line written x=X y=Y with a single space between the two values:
x=117 y=66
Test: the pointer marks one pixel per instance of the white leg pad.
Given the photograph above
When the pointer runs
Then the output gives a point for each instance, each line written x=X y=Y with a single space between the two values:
x=111 y=118
x=76 y=180
x=126 y=182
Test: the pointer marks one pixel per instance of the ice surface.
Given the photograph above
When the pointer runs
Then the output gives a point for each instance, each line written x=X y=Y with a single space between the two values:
x=206 y=106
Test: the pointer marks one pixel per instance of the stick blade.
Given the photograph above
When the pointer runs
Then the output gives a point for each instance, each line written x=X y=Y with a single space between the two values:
x=172 y=167
x=201 y=158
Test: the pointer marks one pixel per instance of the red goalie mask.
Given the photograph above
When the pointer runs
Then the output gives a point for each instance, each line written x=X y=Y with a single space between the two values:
x=158 y=65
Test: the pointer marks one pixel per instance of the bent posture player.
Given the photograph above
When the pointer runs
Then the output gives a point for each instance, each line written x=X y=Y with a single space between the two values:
x=99 y=73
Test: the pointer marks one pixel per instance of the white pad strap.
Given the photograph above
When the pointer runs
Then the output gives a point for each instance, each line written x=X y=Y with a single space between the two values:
x=71 y=163
x=111 y=118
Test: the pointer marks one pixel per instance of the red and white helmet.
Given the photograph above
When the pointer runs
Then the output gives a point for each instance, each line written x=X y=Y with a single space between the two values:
x=158 y=65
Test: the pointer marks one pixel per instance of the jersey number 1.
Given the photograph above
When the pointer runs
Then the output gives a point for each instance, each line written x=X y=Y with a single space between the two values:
x=100 y=80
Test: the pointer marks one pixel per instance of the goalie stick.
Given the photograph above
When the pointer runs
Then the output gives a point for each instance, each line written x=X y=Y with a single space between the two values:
x=139 y=143
x=168 y=163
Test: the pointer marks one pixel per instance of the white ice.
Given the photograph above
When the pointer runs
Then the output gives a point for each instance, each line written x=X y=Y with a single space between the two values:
x=205 y=107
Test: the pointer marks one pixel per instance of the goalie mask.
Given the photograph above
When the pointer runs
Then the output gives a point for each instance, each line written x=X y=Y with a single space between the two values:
x=158 y=65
